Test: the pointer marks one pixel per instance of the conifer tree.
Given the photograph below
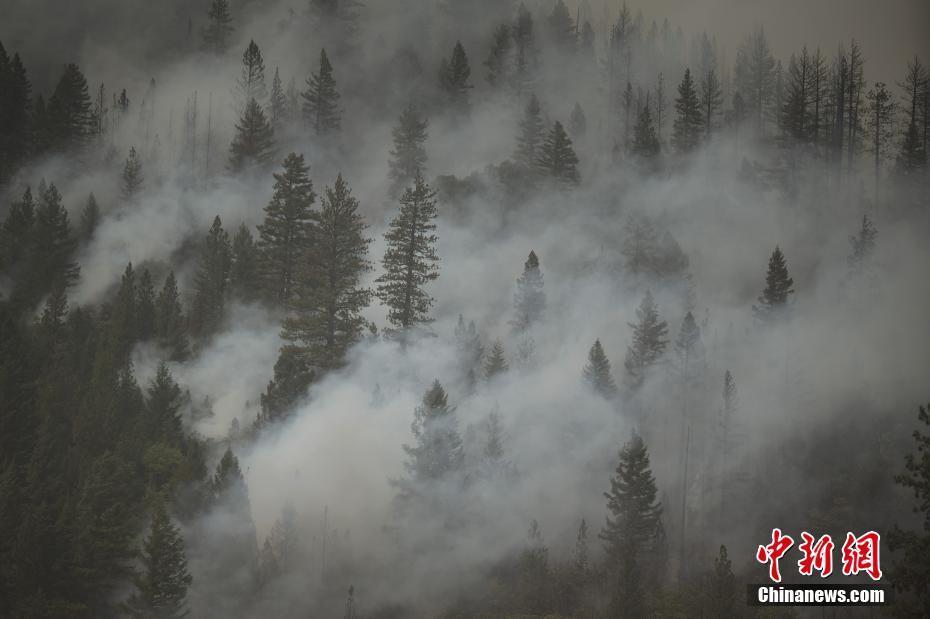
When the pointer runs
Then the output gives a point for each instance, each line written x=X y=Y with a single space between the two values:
x=145 y=307
x=530 y=138
x=132 y=179
x=499 y=57
x=686 y=133
x=277 y=102
x=711 y=100
x=634 y=514
x=437 y=451
x=557 y=159
x=253 y=144
x=496 y=363
x=321 y=100
x=688 y=343
x=327 y=316
x=52 y=252
x=773 y=302
x=863 y=245
x=16 y=233
x=16 y=125
x=219 y=28
x=251 y=83
x=69 y=110
x=288 y=232
x=211 y=282
x=170 y=325
x=562 y=29
x=243 y=273
x=795 y=116
x=292 y=376
x=470 y=349
x=163 y=407
x=645 y=143
x=597 y=374
x=911 y=570
x=649 y=342
x=722 y=592
x=90 y=218
x=410 y=260
x=880 y=123
x=453 y=79
x=408 y=157
x=529 y=299
x=755 y=75
x=524 y=44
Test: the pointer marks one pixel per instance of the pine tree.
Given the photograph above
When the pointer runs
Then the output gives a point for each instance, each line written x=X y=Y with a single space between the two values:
x=69 y=110
x=645 y=143
x=499 y=57
x=408 y=158
x=530 y=138
x=410 y=260
x=686 y=132
x=711 y=99
x=557 y=159
x=132 y=179
x=795 y=115
x=524 y=44
x=161 y=588
x=90 y=218
x=880 y=123
x=277 y=104
x=243 y=273
x=529 y=299
x=254 y=141
x=863 y=246
x=321 y=100
x=634 y=514
x=726 y=436
x=649 y=342
x=911 y=569
x=496 y=363
x=773 y=302
x=163 y=408
x=721 y=592
x=288 y=233
x=688 y=342
x=437 y=453
x=145 y=307
x=53 y=246
x=16 y=233
x=755 y=75
x=211 y=282
x=292 y=376
x=251 y=83
x=170 y=325
x=562 y=29
x=453 y=79
x=16 y=124
x=596 y=373
x=469 y=348
x=327 y=316
x=913 y=155
x=219 y=29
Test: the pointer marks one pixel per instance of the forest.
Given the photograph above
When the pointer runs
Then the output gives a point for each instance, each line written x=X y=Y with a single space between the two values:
x=458 y=308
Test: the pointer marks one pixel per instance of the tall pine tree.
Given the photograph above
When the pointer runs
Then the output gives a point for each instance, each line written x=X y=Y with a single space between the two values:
x=773 y=302
x=529 y=299
x=253 y=144
x=321 y=100
x=408 y=157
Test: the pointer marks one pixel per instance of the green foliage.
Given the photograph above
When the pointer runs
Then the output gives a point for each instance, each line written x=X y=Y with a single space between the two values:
x=453 y=79
x=254 y=141
x=529 y=299
x=210 y=284
x=219 y=28
x=688 y=126
x=597 y=374
x=321 y=100
x=408 y=157
x=649 y=342
x=557 y=160
x=773 y=302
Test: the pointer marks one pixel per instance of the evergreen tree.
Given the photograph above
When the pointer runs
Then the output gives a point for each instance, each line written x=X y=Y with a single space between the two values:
x=211 y=282
x=219 y=28
x=292 y=376
x=170 y=325
x=251 y=83
x=499 y=57
x=53 y=246
x=795 y=115
x=16 y=124
x=686 y=132
x=243 y=273
x=277 y=104
x=496 y=363
x=132 y=179
x=288 y=233
x=688 y=344
x=911 y=570
x=16 y=233
x=557 y=159
x=721 y=593
x=726 y=435
x=880 y=123
x=410 y=260
x=645 y=143
x=254 y=141
x=863 y=245
x=90 y=218
x=408 y=158
x=530 y=138
x=163 y=407
x=69 y=110
x=453 y=79
x=773 y=302
x=145 y=307
x=529 y=299
x=913 y=155
x=437 y=451
x=634 y=514
x=597 y=372
x=711 y=100
x=755 y=75
x=321 y=100
x=330 y=298
x=649 y=341
x=562 y=29
x=524 y=45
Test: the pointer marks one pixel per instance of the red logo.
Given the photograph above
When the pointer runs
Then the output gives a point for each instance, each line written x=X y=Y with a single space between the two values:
x=859 y=554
